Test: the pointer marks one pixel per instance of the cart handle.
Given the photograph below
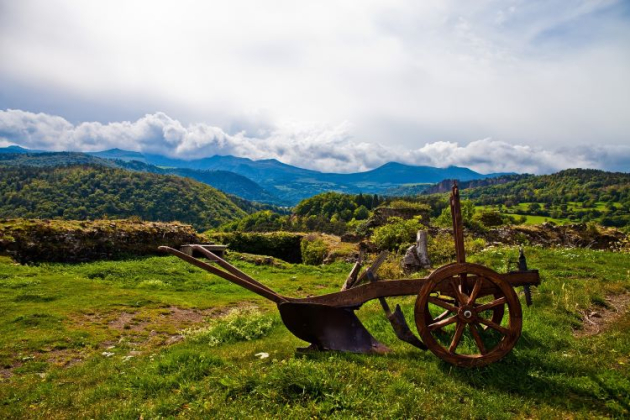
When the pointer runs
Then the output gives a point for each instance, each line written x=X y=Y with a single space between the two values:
x=246 y=282
x=230 y=268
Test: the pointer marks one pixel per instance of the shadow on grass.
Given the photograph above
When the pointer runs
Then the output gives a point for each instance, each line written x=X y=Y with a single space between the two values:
x=537 y=372
x=567 y=383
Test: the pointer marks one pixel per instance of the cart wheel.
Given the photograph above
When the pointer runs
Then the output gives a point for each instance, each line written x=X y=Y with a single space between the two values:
x=451 y=322
x=496 y=313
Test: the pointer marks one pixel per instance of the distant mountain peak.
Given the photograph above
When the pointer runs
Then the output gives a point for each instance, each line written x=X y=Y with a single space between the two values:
x=17 y=149
x=116 y=153
x=290 y=184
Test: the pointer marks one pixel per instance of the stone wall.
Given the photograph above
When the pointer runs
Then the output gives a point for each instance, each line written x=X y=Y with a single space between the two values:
x=32 y=240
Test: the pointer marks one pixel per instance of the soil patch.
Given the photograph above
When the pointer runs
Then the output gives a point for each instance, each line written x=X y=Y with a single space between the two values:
x=136 y=332
x=597 y=319
x=63 y=358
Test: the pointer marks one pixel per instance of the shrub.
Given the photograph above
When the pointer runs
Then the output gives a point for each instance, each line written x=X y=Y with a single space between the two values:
x=396 y=234
x=490 y=218
x=468 y=212
x=402 y=204
x=441 y=248
x=314 y=251
x=262 y=221
x=283 y=245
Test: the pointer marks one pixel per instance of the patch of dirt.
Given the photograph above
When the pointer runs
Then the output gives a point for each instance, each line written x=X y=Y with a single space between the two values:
x=597 y=319
x=137 y=332
x=63 y=358
x=6 y=373
x=179 y=315
x=124 y=322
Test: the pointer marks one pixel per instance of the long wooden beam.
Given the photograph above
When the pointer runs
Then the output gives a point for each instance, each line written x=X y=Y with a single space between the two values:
x=358 y=295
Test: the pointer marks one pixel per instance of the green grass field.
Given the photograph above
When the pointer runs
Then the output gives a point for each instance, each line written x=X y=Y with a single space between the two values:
x=103 y=340
x=519 y=211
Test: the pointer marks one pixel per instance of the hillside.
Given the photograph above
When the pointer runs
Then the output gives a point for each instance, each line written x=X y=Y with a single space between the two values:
x=228 y=182
x=277 y=183
x=446 y=185
x=290 y=184
x=94 y=192
x=52 y=159
x=572 y=194
x=293 y=184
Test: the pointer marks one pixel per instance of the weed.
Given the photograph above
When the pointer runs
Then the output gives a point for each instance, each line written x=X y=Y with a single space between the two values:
x=237 y=325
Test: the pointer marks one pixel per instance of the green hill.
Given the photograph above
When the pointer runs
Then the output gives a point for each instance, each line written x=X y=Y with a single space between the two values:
x=274 y=182
x=83 y=192
x=225 y=181
x=577 y=195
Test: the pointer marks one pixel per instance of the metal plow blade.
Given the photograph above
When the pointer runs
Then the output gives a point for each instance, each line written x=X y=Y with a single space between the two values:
x=329 y=328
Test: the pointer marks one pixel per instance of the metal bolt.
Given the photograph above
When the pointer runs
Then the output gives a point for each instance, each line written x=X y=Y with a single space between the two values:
x=467 y=314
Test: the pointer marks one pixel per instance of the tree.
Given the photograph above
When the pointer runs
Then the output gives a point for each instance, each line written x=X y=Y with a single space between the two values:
x=534 y=208
x=361 y=213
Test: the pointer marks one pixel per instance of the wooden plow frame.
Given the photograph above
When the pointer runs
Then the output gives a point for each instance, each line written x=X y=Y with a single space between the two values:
x=466 y=314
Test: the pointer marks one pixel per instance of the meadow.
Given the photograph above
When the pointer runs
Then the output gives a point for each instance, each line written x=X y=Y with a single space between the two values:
x=157 y=338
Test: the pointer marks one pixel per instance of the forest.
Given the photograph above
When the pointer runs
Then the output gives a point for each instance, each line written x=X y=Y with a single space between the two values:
x=95 y=192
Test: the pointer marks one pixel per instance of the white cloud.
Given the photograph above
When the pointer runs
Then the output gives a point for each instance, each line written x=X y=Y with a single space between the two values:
x=534 y=72
x=328 y=149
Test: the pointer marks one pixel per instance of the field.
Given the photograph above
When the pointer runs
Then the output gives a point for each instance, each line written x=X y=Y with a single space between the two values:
x=520 y=210
x=126 y=339
x=567 y=211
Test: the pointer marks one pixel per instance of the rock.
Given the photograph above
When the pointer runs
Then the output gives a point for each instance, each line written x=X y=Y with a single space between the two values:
x=416 y=257
x=351 y=238
x=382 y=214
x=549 y=234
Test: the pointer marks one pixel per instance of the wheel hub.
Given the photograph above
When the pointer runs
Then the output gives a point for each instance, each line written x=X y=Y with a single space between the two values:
x=466 y=314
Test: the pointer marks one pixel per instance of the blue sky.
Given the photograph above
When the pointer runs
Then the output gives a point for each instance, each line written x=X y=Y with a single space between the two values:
x=527 y=86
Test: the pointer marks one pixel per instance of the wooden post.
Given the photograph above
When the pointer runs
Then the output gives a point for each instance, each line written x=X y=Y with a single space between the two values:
x=352 y=277
x=372 y=269
x=421 y=249
x=458 y=224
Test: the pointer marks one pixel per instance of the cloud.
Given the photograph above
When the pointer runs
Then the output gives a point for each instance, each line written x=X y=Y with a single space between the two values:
x=328 y=149
x=534 y=72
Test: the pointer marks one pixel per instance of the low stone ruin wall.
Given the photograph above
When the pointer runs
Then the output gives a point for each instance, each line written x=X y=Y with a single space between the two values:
x=32 y=241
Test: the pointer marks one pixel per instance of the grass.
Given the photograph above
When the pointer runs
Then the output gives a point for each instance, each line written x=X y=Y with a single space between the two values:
x=100 y=340
x=537 y=220
x=519 y=211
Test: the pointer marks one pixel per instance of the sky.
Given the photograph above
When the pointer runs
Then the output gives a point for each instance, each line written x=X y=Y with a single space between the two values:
x=337 y=86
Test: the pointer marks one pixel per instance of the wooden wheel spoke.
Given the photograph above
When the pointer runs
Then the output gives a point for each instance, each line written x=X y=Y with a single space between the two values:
x=457 y=337
x=461 y=298
x=475 y=291
x=475 y=333
x=441 y=316
x=442 y=323
x=494 y=326
x=442 y=304
x=490 y=305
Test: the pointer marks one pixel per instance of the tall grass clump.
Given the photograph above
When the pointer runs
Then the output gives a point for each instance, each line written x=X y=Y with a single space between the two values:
x=238 y=325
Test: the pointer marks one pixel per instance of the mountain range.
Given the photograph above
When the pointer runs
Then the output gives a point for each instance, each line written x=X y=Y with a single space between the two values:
x=266 y=181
